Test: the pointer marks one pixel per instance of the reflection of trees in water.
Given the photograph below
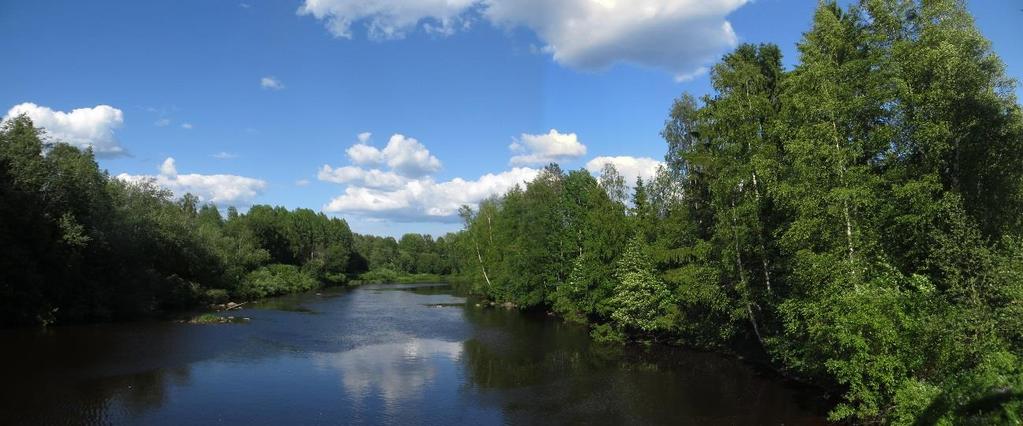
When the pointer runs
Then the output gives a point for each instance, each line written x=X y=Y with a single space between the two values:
x=92 y=374
x=537 y=370
x=87 y=402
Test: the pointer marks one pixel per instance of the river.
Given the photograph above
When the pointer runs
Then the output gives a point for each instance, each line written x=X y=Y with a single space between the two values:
x=378 y=354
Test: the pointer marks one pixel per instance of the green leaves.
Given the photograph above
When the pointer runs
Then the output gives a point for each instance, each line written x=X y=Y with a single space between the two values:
x=78 y=245
x=641 y=300
x=74 y=234
x=858 y=216
x=274 y=280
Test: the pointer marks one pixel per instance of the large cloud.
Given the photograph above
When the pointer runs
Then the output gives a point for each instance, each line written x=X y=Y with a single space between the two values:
x=427 y=200
x=676 y=35
x=405 y=191
x=370 y=178
x=629 y=167
x=221 y=190
x=82 y=127
x=405 y=156
x=546 y=148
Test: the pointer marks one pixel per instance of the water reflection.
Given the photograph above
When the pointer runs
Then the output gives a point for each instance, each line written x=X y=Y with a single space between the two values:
x=395 y=372
x=374 y=355
x=44 y=385
x=539 y=371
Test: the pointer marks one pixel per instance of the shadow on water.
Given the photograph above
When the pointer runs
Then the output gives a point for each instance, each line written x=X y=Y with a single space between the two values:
x=378 y=354
x=88 y=374
x=543 y=370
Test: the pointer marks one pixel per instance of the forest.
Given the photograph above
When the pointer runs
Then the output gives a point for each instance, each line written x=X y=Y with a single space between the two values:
x=856 y=219
x=77 y=245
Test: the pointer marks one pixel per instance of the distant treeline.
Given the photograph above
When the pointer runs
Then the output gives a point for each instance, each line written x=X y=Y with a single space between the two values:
x=78 y=245
x=858 y=218
x=412 y=254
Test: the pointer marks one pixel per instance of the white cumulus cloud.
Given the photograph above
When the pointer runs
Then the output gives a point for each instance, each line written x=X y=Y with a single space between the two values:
x=403 y=155
x=370 y=178
x=82 y=127
x=395 y=183
x=408 y=157
x=676 y=35
x=425 y=199
x=546 y=148
x=218 y=189
x=271 y=83
x=168 y=168
x=629 y=167
x=364 y=154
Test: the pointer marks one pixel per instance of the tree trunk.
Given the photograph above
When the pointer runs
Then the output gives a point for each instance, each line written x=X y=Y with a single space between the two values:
x=845 y=202
x=482 y=267
x=756 y=192
x=738 y=255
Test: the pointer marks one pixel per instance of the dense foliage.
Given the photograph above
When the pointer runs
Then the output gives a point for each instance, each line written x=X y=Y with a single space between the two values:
x=858 y=217
x=78 y=245
x=413 y=254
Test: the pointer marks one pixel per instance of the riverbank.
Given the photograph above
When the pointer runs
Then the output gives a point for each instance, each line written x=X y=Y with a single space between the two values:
x=742 y=347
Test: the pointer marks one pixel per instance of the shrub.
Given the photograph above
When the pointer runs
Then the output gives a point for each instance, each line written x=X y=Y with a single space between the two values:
x=275 y=280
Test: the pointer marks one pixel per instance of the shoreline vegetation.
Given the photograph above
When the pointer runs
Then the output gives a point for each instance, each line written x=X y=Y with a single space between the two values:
x=858 y=219
x=78 y=245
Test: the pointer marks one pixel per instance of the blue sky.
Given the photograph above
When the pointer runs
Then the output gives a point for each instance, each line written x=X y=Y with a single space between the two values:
x=246 y=102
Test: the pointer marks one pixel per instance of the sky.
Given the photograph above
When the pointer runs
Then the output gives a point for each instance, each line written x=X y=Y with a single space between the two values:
x=388 y=113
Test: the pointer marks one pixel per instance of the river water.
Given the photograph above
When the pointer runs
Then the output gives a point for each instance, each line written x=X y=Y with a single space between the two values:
x=380 y=354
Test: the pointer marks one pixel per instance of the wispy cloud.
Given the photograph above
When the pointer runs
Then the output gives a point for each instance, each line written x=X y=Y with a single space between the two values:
x=271 y=83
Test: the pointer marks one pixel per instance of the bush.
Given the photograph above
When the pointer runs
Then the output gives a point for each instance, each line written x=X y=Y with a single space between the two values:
x=215 y=296
x=382 y=275
x=607 y=334
x=274 y=280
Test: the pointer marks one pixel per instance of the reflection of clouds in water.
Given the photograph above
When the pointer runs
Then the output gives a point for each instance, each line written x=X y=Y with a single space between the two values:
x=395 y=371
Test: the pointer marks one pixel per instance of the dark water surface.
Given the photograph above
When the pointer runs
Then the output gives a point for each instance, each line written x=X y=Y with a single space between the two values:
x=374 y=355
